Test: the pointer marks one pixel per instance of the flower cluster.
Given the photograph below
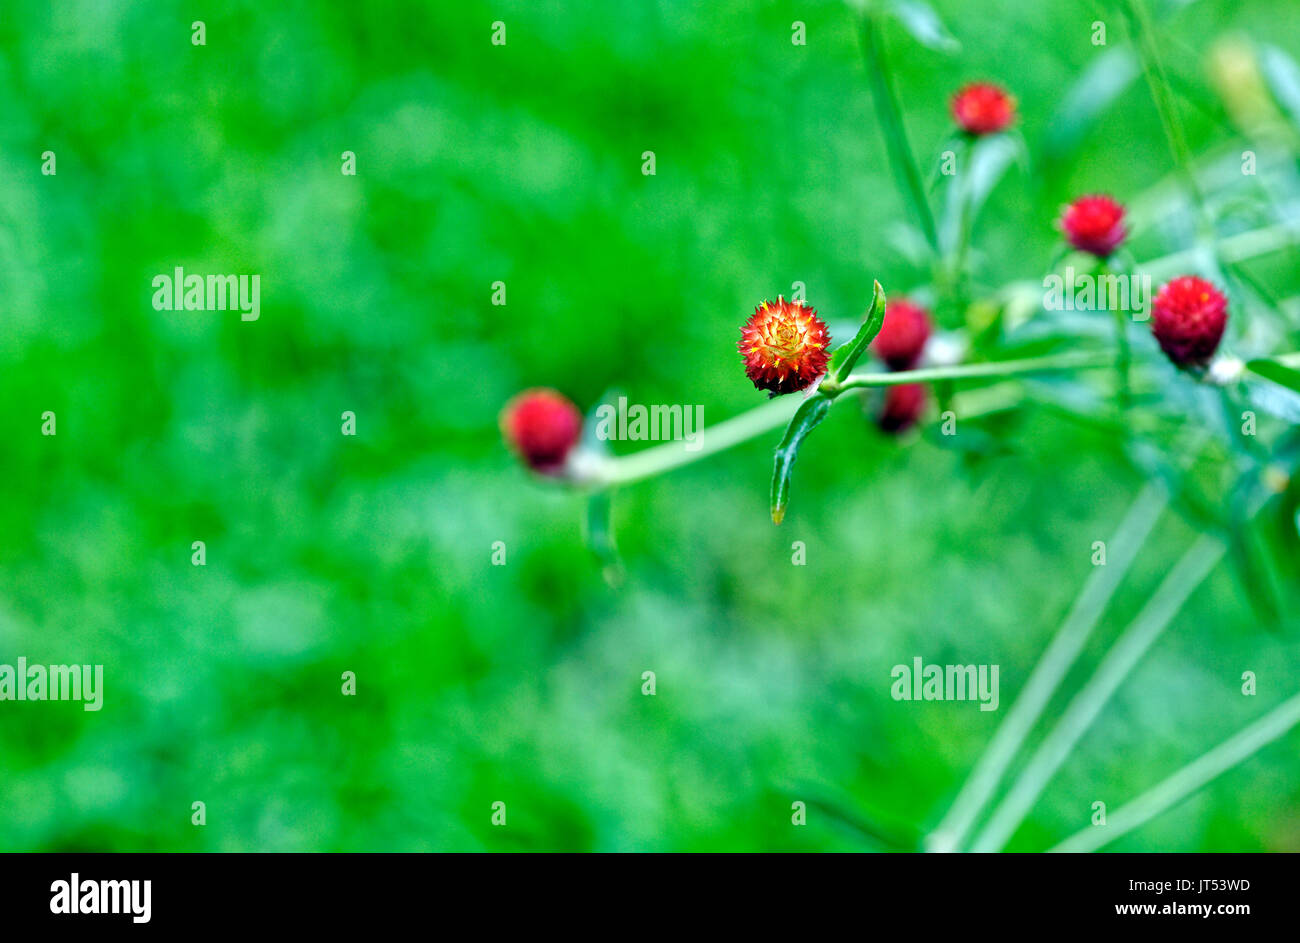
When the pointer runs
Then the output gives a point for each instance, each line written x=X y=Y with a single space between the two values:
x=785 y=345
x=900 y=344
x=1189 y=314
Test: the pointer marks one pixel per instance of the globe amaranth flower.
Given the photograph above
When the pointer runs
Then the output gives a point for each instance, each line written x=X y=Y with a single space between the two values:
x=1094 y=224
x=542 y=426
x=785 y=346
x=902 y=336
x=1188 y=316
x=903 y=406
x=983 y=108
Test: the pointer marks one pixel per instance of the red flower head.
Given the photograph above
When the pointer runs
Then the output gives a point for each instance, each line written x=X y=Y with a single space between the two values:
x=983 y=108
x=1188 y=316
x=904 y=404
x=784 y=345
x=542 y=426
x=1094 y=224
x=903 y=335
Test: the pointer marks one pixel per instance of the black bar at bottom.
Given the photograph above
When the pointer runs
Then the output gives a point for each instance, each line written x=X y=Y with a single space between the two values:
x=334 y=893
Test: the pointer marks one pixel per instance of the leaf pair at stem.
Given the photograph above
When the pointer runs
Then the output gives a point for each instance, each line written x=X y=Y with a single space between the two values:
x=818 y=404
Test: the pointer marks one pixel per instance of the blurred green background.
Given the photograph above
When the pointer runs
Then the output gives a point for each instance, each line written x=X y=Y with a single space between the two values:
x=522 y=683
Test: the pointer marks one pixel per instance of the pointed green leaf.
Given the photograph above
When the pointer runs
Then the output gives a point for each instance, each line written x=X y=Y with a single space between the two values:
x=990 y=159
x=598 y=531
x=846 y=355
x=1283 y=77
x=924 y=25
x=811 y=412
x=1276 y=371
x=1274 y=399
x=1096 y=89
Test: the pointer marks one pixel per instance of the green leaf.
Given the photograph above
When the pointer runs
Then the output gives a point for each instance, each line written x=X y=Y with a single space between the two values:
x=1282 y=75
x=1096 y=89
x=1275 y=371
x=875 y=831
x=906 y=173
x=1273 y=399
x=846 y=355
x=598 y=531
x=811 y=412
x=924 y=25
x=1256 y=572
x=989 y=159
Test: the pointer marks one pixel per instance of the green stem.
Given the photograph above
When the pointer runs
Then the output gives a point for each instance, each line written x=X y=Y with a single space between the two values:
x=608 y=472
x=958 y=305
x=1238 y=248
x=661 y=458
x=1123 y=358
x=891 y=123
x=1051 y=669
x=1155 y=616
x=1189 y=779
x=1123 y=352
x=1158 y=82
x=746 y=426
x=1075 y=360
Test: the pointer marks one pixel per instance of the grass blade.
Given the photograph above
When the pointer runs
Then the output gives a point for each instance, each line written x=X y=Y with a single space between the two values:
x=1189 y=779
x=1135 y=641
x=1052 y=667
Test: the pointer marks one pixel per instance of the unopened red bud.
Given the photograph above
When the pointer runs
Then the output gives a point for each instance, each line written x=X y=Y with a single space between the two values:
x=983 y=108
x=542 y=426
x=902 y=337
x=1094 y=224
x=903 y=406
x=784 y=345
x=1188 y=316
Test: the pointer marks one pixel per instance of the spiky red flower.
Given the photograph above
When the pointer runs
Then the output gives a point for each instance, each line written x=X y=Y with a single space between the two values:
x=1094 y=224
x=904 y=404
x=983 y=108
x=902 y=337
x=542 y=426
x=1188 y=316
x=785 y=346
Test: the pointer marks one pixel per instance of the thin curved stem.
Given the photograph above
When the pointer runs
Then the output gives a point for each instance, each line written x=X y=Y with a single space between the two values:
x=609 y=472
x=712 y=440
x=1135 y=641
x=891 y=122
x=1148 y=47
x=1074 y=360
x=661 y=458
x=1052 y=667
x=1169 y=792
x=1236 y=248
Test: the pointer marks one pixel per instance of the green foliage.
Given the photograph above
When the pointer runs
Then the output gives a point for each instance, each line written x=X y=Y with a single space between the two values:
x=809 y=414
x=847 y=355
x=522 y=683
